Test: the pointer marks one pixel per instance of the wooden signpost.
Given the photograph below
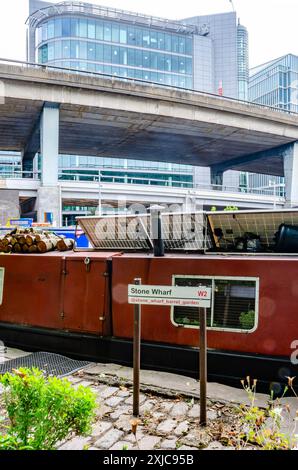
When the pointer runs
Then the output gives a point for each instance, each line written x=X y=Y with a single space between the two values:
x=200 y=297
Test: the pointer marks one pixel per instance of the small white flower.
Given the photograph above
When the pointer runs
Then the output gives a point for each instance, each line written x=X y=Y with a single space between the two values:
x=277 y=411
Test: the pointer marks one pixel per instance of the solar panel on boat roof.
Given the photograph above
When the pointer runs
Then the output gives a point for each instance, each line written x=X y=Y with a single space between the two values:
x=185 y=232
x=117 y=232
x=265 y=224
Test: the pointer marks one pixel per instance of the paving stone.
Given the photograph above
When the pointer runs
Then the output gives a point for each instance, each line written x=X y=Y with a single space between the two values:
x=197 y=438
x=149 y=442
x=130 y=399
x=212 y=415
x=102 y=410
x=123 y=423
x=86 y=383
x=99 y=428
x=114 y=401
x=109 y=439
x=182 y=428
x=147 y=406
x=77 y=443
x=74 y=380
x=168 y=444
x=215 y=445
x=123 y=393
x=121 y=410
x=187 y=448
x=179 y=409
x=157 y=415
x=123 y=445
x=141 y=431
x=167 y=426
x=194 y=412
x=108 y=392
x=166 y=406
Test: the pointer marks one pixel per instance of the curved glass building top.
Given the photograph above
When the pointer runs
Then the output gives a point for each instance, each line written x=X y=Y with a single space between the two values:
x=86 y=39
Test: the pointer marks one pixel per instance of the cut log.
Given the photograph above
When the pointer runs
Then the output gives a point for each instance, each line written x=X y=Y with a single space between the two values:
x=65 y=244
x=33 y=249
x=45 y=245
x=25 y=248
x=17 y=248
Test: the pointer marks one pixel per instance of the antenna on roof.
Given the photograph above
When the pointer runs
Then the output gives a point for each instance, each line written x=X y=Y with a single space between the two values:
x=231 y=2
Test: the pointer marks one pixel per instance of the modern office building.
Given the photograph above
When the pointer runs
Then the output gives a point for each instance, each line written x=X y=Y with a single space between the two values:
x=205 y=53
x=276 y=83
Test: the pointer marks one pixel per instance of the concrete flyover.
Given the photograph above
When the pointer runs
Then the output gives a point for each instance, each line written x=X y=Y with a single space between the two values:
x=63 y=112
x=75 y=192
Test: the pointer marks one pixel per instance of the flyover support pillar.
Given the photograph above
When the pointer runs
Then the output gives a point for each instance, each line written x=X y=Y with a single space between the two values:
x=49 y=195
x=290 y=161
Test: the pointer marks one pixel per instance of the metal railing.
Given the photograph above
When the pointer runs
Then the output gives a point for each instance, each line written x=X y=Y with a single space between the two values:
x=277 y=190
x=31 y=65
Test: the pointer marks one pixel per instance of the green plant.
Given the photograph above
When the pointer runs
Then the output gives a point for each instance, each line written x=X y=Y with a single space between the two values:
x=44 y=410
x=263 y=427
x=247 y=319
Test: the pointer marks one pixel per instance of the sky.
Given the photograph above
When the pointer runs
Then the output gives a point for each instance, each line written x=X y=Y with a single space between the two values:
x=272 y=24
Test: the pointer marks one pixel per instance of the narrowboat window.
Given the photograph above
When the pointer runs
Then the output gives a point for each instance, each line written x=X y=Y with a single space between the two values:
x=234 y=303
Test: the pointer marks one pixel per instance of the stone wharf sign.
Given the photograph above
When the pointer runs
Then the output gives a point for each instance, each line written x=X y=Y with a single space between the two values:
x=169 y=295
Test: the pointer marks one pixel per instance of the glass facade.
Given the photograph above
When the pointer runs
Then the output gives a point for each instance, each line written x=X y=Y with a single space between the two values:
x=115 y=48
x=10 y=164
x=243 y=62
x=276 y=84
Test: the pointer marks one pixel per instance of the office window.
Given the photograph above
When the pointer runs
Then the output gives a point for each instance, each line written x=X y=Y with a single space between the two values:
x=43 y=58
x=66 y=27
x=65 y=49
x=131 y=57
x=138 y=37
x=51 y=29
x=123 y=56
x=161 y=41
x=175 y=43
x=45 y=31
x=91 y=51
x=107 y=52
x=58 y=27
x=115 y=32
x=99 y=30
x=115 y=55
x=146 y=38
x=175 y=64
x=168 y=42
x=153 y=60
x=188 y=45
x=138 y=58
x=83 y=50
x=99 y=52
x=51 y=51
x=91 y=29
x=131 y=40
x=74 y=27
x=58 y=49
x=74 y=50
x=107 y=32
x=123 y=35
x=83 y=29
x=153 y=39
x=146 y=60
x=181 y=40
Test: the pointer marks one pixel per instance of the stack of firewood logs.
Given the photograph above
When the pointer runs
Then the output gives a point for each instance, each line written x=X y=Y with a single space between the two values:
x=33 y=241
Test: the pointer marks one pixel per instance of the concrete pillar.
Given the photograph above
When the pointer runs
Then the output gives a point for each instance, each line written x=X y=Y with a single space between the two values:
x=9 y=205
x=49 y=200
x=290 y=160
x=49 y=144
x=49 y=197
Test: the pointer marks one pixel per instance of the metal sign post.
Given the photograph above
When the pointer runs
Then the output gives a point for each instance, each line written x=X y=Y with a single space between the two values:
x=200 y=297
x=136 y=355
x=203 y=366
